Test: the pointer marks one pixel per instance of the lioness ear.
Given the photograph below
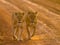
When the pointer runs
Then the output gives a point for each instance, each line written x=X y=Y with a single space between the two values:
x=35 y=12
x=29 y=12
x=16 y=13
x=22 y=13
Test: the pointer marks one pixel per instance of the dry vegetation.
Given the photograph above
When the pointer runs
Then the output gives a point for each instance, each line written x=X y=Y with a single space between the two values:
x=48 y=21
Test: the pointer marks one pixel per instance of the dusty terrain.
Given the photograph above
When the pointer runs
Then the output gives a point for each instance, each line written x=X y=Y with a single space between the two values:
x=48 y=26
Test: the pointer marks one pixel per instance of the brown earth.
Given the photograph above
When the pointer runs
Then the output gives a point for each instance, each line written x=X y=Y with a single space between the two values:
x=48 y=26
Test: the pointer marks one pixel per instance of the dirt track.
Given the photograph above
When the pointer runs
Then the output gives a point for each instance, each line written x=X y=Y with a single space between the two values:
x=48 y=27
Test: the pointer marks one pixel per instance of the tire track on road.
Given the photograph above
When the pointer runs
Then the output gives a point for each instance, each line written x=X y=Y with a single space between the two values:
x=10 y=4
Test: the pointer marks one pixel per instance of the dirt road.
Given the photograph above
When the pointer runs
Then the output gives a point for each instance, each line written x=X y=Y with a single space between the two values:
x=48 y=20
